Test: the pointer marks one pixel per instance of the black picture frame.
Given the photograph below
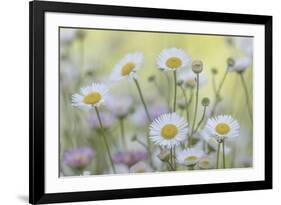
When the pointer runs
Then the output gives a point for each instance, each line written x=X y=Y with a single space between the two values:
x=37 y=9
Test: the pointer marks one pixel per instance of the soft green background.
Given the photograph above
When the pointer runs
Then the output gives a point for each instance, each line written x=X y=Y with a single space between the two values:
x=95 y=55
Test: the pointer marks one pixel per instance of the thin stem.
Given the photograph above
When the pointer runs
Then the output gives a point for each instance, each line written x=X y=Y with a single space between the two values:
x=185 y=102
x=149 y=119
x=175 y=91
x=168 y=89
x=170 y=165
x=189 y=104
x=247 y=96
x=201 y=120
x=105 y=140
x=217 y=94
x=214 y=84
x=174 y=157
x=171 y=158
x=196 y=104
x=121 y=121
x=222 y=82
x=142 y=100
x=148 y=147
x=218 y=154
x=141 y=143
x=223 y=155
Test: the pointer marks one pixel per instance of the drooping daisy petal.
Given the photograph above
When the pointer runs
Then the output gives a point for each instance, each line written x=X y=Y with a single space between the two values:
x=189 y=78
x=212 y=141
x=92 y=95
x=168 y=130
x=172 y=59
x=241 y=64
x=207 y=162
x=223 y=126
x=127 y=67
x=190 y=156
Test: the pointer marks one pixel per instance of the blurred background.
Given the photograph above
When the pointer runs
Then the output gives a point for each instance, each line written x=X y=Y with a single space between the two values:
x=89 y=55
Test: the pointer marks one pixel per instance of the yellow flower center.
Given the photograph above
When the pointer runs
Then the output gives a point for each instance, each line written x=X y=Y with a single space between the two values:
x=173 y=62
x=169 y=131
x=191 y=158
x=222 y=128
x=92 y=98
x=127 y=68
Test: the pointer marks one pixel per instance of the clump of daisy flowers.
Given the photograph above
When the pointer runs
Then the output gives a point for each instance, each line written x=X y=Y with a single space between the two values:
x=184 y=139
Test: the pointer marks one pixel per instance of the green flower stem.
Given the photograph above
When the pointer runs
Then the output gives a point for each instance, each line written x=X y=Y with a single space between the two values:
x=189 y=104
x=223 y=154
x=149 y=119
x=121 y=121
x=185 y=102
x=172 y=159
x=105 y=140
x=170 y=165
x=141 y=143
x=142 y=100
x=218 y=154
x=217 y=95
x=175 y=91
x=201 y=120
x=214 y=84
x=247 y=96
x=168 y=89
x=196 y=106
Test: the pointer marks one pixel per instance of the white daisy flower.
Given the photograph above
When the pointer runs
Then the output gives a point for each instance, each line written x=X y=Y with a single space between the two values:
x=212 y=141
x=168 y=130
x=127 y=67
x=190 y=156
x=92 y=95
x=223 y=126
x=207 y=162
x=246 y=45
x=140 y=167
x=241 y=64
x=189 y=78
x=172 y=59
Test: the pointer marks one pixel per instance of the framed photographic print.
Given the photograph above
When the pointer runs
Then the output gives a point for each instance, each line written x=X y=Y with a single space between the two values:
x=141 y=102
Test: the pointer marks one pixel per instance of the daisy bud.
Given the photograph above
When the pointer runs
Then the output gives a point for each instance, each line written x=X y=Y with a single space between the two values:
x=80 y=34
x=180 y=82
x=230 y=62
x=197 y=66
x=214 y=71
x=205 y=101
x=151 y=78
x=164 y=155
x=134 y=138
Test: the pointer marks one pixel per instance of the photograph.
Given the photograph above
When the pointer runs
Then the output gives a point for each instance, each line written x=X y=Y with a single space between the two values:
x=135 y=102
